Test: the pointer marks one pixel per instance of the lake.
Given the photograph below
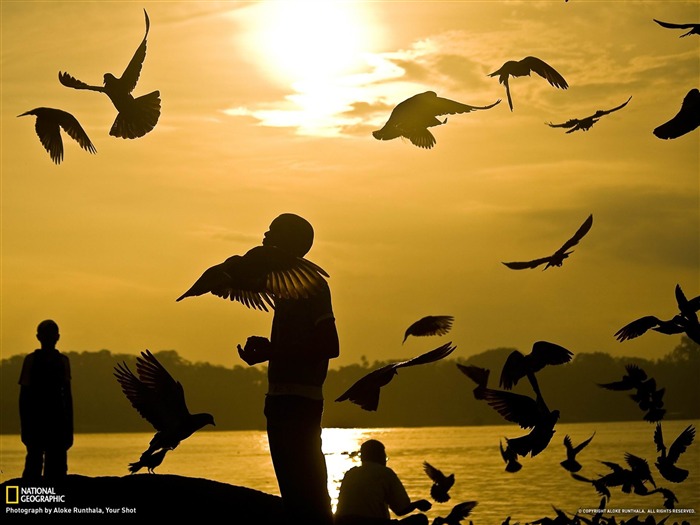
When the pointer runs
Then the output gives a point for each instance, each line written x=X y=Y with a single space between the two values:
x=471 y=453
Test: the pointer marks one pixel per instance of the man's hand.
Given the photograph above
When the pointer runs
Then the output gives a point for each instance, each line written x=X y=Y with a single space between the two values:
x=423 y=505
x=257 y=350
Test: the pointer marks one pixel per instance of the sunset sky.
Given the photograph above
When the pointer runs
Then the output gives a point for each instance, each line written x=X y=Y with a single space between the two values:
x=268 y=107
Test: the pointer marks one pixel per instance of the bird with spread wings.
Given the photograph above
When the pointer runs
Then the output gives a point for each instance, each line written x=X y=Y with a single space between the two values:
x=49 y=122
x=136 y=116
x=523 y=68
x=584 y=124
x=429 y=325
x=259 y=277
x=412 y=118
x=694 y=28
x=160 y=400
x=365 y=391
x=557 y=258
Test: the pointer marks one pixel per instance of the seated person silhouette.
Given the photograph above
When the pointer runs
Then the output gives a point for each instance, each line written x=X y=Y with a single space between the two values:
x=46 y=407
x=368 y=492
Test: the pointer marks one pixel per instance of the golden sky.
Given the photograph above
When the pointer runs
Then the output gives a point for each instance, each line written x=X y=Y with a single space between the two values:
x=269 y=107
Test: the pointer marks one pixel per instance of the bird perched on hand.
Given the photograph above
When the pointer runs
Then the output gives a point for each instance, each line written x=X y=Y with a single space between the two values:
x=441 y=483
x=429 y=325
x=666 y=462
x=136 y=116
x=522 y=68
x=570 y=462
x=518 y=365
x=584 y=124
x=694 y=28
x=457 y=514
x=686 y=321
x=365 y=391
x=557 y=258
x=412 y=118
x=260 y=276
x=160 y=400
x=49 y=122
x=686 y=120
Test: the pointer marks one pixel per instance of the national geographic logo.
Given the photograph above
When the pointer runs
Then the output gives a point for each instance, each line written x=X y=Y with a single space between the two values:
x=15 y=495
x=11 y=495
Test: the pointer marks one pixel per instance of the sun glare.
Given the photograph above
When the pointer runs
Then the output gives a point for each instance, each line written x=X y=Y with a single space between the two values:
x=315 y=48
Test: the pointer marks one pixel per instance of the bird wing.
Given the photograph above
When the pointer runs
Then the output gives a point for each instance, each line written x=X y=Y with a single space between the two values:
x=72 y=82
x=682 y=442
x=527 y=264
x=71 y=126
x=659 y=438
x=515 y=408
x=49 y=133
x=155 y=395
x=430 y=325
x=637 y=327
x=461 y=511
x=568 y=445
x=428 y=357
x=685 y=121
x=603 y=112
x=670 y=25
x=477 y=374
x=568 y=124
x=580 y=233
x=637 y=464
x=263 y=274
x=546 y=71
x=433 y=473
x=365 y=391
x=545 y=353
x=513 y=370
x=132 y=72
x=583 y=444
x=685 y=307
x=445 y=106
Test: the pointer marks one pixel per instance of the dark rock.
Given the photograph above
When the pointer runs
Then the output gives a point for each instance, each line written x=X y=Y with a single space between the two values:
x=133 y=498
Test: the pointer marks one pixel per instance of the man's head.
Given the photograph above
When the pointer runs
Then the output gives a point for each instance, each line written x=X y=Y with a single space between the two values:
x=47 y=333
x=291 y=233
x=373 y=450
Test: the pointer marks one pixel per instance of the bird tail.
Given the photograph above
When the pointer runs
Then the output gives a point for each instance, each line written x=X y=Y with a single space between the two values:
x=135 y=467
x=138 y=118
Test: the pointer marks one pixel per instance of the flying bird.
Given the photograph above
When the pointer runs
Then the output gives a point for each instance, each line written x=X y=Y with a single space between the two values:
x=49 y=122
x=136 y=116
x=160 y=400
x=570 y=463
x=412 y=118
x=686 y=120
x=457 y=514
x=584 y=124
x=429 y=325
x=477 y=374
x=522 y=68
x=648 y=397
x=518 y=365
x=557 y=258
x=666 y=462
x=669 y=496
x=441 y=483
x=510 y=458
x=686 y=321
x=365 y=391
x=694 y=28
x=259 y=277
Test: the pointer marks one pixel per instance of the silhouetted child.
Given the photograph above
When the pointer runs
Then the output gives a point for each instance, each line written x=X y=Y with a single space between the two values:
x=46 y=407
x=303 y=339
x=368 y=492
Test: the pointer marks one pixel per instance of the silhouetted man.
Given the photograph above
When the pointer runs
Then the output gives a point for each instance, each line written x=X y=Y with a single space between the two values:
x=368 y=492
x=302 y=340
x=46 y=407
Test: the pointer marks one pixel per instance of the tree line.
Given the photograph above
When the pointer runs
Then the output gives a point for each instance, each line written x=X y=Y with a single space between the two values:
x=437 y=394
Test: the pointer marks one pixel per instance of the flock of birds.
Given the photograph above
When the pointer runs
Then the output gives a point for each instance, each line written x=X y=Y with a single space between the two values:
x=265 y=274
x=410 y=119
